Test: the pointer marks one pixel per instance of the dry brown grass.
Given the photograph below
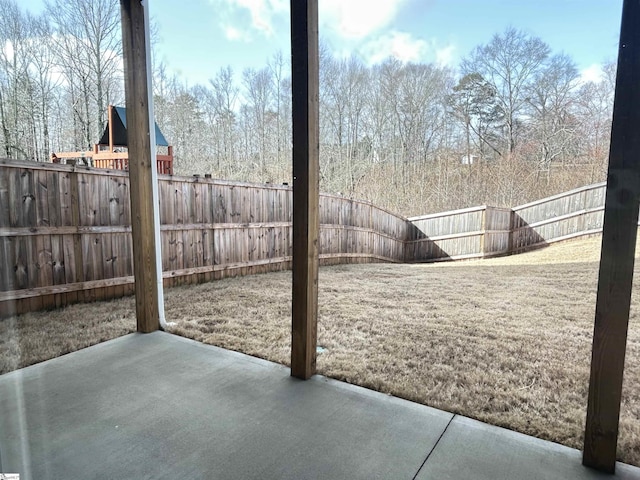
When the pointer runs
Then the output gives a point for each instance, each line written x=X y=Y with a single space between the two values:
x=35 y=337
x=506 y=341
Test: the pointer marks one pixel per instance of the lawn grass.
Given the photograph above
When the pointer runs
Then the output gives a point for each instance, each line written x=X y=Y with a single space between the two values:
x=39 y=336
x=506 y=341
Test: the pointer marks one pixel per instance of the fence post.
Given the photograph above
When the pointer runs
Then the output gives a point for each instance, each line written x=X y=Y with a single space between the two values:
x=512 y=226
x=483 y=227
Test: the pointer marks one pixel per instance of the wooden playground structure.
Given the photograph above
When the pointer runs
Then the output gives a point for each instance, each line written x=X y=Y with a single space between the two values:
x=111 y=151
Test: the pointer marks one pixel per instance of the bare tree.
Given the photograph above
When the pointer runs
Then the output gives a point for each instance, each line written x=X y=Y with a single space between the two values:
x=343 y=96
x=594 y=113
x=258 y=90
x=473 y=102
x=552 y=97
x=46 y=79
x=225 y=94
x=14 y=79
x=509 y=62
x=88 y=43
x=277 y=66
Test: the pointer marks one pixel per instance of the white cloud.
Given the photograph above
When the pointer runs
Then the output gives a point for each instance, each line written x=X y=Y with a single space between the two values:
x=235 y=34
x=444 y=56
x=593 y=73
x=407 y=48
x=357 y=19
x=262 y=15
x=400 y=45
x=348 y=19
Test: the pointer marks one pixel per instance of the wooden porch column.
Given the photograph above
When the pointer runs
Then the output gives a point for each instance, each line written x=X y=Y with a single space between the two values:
x=143 y=223
x=617 y=257
x=306 y=138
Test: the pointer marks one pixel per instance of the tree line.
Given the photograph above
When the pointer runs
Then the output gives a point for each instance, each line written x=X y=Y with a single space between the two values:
x=513 y=122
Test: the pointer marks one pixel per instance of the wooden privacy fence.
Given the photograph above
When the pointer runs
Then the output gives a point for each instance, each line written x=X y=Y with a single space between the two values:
x=561 y=217
x=468 y=233
x=489 y=231
x=65 y=231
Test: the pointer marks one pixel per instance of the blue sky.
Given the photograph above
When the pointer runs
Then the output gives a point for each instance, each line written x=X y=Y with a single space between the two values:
x=198 y=37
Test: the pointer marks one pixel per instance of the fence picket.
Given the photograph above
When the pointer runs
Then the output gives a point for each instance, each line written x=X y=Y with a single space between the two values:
x=213 y=228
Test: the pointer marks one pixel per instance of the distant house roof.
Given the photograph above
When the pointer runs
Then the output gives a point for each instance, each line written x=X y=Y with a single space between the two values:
x=120 y=130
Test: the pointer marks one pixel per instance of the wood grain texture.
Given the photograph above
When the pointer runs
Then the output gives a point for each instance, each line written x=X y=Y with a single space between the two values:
x=85 y=246
x=618 y=252
x=137 y=98
x=305 y=119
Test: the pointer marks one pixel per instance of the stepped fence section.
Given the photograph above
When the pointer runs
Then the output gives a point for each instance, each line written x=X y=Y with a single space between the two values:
x=65 y=231
x=459 y=234
x=485 y=231
x=568 y=215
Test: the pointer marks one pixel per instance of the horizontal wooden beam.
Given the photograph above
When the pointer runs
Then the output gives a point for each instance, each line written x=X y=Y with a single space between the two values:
x=87 y=154
x=183 y=272
x=449 y=213
x=36 y=231
x=64 y=288
x=586 y=188
x=560 y=218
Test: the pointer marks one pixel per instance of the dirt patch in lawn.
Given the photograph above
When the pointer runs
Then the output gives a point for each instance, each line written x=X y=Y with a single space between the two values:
x=506 y=340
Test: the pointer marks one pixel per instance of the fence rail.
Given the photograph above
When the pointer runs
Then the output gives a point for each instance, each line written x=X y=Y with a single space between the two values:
x=459 y=234
x=65 y=231
x=485 y=231
x=567 y=215
x=489 y=231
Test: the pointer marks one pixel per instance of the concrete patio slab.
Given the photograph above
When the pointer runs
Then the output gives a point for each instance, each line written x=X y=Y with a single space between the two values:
x=472 y=449
x=159 y=406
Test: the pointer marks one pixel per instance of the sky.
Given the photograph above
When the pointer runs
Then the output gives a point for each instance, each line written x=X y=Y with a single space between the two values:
x=198 y=37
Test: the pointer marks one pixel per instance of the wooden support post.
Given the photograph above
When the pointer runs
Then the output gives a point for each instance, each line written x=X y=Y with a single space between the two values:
x=110 y=120
x=306 y=138
x=617 y=257
x=143 y=226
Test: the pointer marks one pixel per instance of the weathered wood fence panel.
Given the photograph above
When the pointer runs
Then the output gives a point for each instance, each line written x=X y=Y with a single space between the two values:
x=488 y=231
x=497 y=231
x=448 y=235
x=65 y=232
x=567 y=215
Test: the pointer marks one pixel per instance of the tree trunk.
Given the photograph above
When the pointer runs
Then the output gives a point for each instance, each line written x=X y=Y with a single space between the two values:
x=5 y=128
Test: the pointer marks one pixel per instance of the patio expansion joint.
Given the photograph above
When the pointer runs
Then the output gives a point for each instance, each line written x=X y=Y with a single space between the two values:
x=434 y=446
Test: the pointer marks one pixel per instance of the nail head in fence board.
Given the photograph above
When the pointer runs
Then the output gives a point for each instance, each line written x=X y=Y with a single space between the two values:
x=304 y=64
x=140 y=164
x=617 y=257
